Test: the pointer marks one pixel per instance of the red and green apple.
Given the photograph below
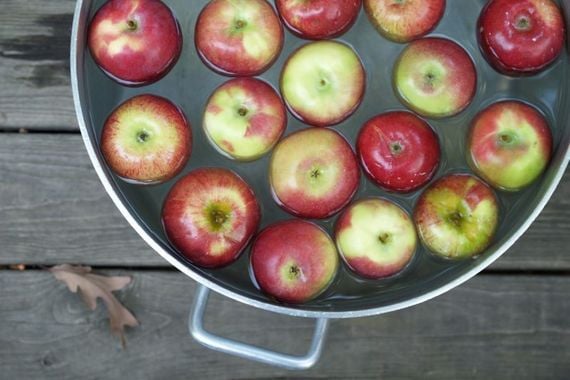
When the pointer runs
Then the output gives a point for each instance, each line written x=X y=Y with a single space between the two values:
x=509 y=145
x=376 y=238
x=244 y=118
x=323 y=83
x=435 y=77
x=294 y=261
x=135 y=42
x=314 y=173
x=238 y=37
x=318 y=19
x=457 y=216
x=146 y=140
x=210 y=215
x=404 y=20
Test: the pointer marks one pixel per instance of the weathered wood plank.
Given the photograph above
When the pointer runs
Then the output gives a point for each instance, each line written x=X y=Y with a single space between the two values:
x=34 y=65
x=54 y=210
x=507 y=327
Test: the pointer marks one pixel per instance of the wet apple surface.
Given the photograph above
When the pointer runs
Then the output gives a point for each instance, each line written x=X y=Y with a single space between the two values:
x=404 y=21
x=210 y=215
x=238 y=37
x=521 y=37
x=146 y=140
x=509 y=145
x=318 y=19
x=435 y=77
x=244 y=118
x=135 y=42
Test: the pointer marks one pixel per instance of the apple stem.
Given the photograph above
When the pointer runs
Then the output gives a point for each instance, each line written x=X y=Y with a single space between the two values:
x=396 y=148
x=294 y=272
x=456 y=218
x=132 y=25
x=384 y=238
x=242 y=111
x=143 y=137
x=523 y=23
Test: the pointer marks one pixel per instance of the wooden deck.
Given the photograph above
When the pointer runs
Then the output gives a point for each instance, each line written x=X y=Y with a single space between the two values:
x=511 y=322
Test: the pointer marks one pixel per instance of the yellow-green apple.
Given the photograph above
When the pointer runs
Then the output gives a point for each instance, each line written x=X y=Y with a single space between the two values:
x=457 y=216
x=244 y=118
x=521 y=37
x=135 y=42
x=318 y=19
x=294 y=261
x=238 y=37
x=404 y=20
x=313 y=173
x=435 y=77
x=376 y=238
x=399 y=151
x=210 y=216
x=323 y=83
x=509 y=145
x=146 y=140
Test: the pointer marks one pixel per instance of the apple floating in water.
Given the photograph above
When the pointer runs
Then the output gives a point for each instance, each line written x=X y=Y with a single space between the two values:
x=135 y=42
x=457 y=216
x=521 y=37
x=294 y=261
x=313 y=173
x=146 y=140
x=244 y=118
x=435 y=77
x=376 y=238
x=404 y=20
x=238 y=37
x=399 y=151
x=509 y=145
x=210 y=216
x=323 y=83
x=318 y=19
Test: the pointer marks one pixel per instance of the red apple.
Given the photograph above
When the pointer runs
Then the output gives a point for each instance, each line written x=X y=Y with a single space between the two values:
x=314 y=173
x=135 y=42
x=435 y=77
x=404 y=20
x=323 y=83
x=244 y=118
x=399 y=151
x=210 y=215
x=146 y=140
x=376 y=238
x=238 y=37
x=509 y=145
x=318 y=19
x=521 y=37
x=457 y=216
x=294 y=261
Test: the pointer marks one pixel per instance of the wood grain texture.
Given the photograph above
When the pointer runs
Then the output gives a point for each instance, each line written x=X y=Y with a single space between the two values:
x=54 y=210
x=34 y=65
x=495 y=327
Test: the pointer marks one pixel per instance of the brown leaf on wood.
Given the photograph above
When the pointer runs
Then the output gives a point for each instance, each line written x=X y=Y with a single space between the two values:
x=91 y=287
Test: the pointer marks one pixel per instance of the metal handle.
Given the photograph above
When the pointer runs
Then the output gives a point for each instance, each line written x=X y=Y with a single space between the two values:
x=243 y=350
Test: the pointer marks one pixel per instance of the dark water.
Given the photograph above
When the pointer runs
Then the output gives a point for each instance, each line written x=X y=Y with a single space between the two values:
x=190 y=83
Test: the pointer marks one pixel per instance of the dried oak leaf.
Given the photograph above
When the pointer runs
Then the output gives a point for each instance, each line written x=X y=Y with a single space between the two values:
x=91 y=287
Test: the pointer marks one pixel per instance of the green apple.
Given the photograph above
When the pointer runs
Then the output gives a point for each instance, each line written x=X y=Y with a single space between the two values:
x=376 y=238
x=323 y=83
